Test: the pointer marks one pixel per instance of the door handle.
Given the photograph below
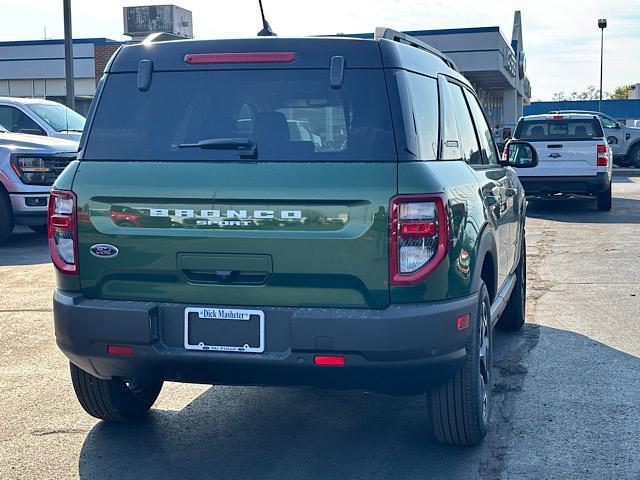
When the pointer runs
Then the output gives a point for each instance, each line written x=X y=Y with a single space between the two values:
x=510 y=192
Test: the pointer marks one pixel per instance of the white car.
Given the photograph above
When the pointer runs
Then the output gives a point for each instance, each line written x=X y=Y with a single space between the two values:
x=573 y=156
x=35 y=116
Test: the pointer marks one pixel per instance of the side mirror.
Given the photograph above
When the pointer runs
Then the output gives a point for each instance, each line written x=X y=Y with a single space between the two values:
x=519 y=154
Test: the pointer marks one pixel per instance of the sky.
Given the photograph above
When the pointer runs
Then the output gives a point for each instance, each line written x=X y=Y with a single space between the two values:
x=561 y=37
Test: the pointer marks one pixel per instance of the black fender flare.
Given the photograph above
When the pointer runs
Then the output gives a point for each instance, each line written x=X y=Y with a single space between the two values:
x=486 y=245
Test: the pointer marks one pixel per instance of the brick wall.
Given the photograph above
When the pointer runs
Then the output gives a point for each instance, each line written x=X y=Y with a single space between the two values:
x=102 y=54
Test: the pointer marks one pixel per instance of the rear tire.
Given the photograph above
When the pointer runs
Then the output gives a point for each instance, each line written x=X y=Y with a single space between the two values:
x=460 y=409
x=604 y=200
x=634 y=157
x=41 y=229
x=7 y=221
x=113 y=400
x=513 y=317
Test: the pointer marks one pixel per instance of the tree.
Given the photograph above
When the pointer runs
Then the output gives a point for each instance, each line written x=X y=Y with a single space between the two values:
x=621 y=92
x=593 y=93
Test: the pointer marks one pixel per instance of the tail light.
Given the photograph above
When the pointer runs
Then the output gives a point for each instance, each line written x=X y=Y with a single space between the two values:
x=418 y=237
x=63 y=233
x=241 y=57
x=601 y=159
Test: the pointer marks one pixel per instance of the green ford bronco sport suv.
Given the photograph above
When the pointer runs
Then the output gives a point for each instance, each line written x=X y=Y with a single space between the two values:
x=196 y=239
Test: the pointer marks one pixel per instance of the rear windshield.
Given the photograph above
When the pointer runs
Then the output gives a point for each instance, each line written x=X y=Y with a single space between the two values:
x=559 y=130
x=287 y=114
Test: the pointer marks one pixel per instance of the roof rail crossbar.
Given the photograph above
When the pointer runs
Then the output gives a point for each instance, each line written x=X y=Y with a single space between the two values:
x=161 y=37
x=395 y=36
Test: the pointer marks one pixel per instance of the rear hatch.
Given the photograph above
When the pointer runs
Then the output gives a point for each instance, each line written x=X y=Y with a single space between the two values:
x=565 y=147
x=199 y=183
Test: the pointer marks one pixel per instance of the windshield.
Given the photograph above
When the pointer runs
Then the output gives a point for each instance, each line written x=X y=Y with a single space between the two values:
x=287 y=114
x=3 y=130
x=59 y=117
x=559 y=130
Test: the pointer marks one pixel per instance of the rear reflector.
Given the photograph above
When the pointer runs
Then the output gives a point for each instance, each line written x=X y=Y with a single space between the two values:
x=256 y=57
x=329 y=360
x=120 y=350
x=463 y=321
x=558 y=117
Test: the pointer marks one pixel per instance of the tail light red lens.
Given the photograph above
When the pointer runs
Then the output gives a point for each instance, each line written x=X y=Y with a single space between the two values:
x=418 y=237
x=329 y=360
x=241 y=57
x=63 y=233
x=602 y=160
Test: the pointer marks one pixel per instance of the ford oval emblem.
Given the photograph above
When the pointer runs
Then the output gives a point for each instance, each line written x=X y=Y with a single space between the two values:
x=103 y=250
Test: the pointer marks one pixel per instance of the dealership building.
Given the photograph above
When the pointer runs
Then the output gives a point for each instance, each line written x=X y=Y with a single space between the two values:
x=495 y=67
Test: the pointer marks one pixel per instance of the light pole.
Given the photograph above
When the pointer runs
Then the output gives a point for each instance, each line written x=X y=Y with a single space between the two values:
x=602 y=24
x=68 y=55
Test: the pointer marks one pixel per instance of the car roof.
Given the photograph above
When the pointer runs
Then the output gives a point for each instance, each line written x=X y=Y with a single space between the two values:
x=580 y=111
x=564 y=115
x=27 y=101
x=310 y=52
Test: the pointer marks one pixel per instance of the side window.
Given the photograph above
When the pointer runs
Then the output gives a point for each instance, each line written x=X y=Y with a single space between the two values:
x=484 y=132
x=16 y=121
x=424 y=99
x=606 y=122
x=449 y=131
x=5 y=117
x=468 y=141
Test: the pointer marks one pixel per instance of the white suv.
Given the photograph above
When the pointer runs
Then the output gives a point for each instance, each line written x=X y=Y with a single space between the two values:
x=36 y=116
x=573 y=156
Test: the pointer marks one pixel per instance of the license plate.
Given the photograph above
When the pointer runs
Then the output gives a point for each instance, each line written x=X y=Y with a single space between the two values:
x=224 y=330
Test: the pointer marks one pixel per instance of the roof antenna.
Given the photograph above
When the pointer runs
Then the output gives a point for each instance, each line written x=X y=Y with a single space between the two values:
x=266 y=28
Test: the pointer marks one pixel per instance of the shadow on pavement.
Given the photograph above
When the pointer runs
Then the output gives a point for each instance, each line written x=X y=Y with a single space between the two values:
x=583 y=210
x=24 y=247
x=271 y=433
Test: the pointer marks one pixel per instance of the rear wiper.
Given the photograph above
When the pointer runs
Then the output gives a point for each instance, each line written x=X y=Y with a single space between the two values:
x=245 y=146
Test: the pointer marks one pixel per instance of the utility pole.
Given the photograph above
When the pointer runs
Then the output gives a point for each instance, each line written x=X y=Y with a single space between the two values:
x=68 y=55
x=602 y=24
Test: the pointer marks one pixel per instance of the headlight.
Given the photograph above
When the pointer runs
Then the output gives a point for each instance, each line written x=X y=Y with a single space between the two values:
x=30 y=169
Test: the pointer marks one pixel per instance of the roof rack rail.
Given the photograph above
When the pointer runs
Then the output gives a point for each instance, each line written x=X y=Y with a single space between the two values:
x=161 y=37
x=395 y=36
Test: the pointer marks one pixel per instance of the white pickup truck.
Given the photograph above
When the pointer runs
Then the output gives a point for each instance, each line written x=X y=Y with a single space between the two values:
x=573 y=156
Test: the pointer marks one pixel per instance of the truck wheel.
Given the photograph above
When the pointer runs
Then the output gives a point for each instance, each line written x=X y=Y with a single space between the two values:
x=604 y=200
x=459 y=410
x=514 y=314
x=634 y=156
x=113 y=400
x=6 y=217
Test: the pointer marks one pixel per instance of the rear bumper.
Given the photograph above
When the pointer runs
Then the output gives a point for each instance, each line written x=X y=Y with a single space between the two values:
x=579 y=185
x=402 y=349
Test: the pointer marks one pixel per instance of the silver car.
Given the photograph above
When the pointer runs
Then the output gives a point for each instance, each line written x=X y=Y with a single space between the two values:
x=29 y=164
x=36 y=116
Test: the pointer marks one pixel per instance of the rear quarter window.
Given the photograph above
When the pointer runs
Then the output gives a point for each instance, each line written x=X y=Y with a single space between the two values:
x=290 y=115
x=559 y=130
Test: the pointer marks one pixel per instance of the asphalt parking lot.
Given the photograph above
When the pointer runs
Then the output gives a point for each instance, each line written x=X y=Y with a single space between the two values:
x=567 y=391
